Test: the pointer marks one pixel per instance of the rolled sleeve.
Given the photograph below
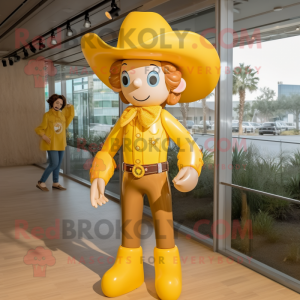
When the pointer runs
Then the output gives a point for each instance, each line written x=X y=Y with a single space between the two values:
x=103 y=165
x=69 y=113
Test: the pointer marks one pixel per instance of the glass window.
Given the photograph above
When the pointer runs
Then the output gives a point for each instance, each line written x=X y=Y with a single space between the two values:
x=266 y=90
x=188 y=208
x=96 y=111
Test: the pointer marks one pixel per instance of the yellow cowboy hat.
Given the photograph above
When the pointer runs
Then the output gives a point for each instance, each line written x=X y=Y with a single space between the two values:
x=147 y=35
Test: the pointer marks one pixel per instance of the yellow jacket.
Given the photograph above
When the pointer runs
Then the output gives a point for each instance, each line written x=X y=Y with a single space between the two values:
x=54 y=125
x=146 y=146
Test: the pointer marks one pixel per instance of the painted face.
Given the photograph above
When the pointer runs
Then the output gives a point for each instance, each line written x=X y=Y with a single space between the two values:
x=57 y=105
x=143 y=82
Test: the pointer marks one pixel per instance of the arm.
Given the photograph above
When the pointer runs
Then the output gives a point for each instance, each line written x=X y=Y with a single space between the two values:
x=189 y=154
x=69 y=113
x=40 y=130
x=103 y=165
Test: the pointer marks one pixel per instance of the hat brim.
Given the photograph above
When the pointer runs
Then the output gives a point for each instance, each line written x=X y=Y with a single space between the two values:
x=195 y=56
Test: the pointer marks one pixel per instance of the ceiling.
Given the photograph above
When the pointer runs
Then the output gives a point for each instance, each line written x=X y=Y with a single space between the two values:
x=257 y=14
x=37 y=17
x=50 y=14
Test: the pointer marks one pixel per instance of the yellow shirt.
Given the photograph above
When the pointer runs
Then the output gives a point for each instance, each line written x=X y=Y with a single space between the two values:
x=146 y=146
x=54 y=126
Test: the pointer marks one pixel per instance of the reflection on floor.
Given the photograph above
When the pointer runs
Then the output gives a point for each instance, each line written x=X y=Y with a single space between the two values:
x=75 y=263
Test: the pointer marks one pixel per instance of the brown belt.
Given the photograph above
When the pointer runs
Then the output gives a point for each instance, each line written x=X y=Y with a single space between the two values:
x=141 y=170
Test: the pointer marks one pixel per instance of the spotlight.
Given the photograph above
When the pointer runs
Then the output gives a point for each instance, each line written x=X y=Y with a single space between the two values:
x=17 y=57
x=41 y=45
x=114 y=12
x=11 y=62
x=25 y=52
x=4 y=62
x=297 y=28
x=87 y=23
x=53 y=40
x=69 y=30
x=32 y=48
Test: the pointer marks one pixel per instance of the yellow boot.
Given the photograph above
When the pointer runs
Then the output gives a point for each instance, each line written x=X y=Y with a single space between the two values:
x=127 y=273
x=168 y=280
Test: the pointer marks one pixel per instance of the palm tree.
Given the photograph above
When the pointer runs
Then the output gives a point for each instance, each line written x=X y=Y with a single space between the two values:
x=204 y=110
x=184 y=108
x=243 y=79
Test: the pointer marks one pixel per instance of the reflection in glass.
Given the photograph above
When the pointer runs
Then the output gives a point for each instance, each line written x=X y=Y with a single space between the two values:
x=195 y=208
x=96 y=111
x=267 y=230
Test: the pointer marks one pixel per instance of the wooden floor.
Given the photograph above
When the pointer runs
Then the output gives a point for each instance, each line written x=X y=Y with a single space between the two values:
x=206 y=274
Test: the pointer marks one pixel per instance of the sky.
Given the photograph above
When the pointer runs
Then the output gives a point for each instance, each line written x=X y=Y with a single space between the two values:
x=277 y=60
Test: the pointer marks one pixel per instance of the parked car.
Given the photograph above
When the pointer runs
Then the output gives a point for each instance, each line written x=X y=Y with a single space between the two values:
x=255 y=125
x=247 y=127
x=199 y=127
x=235 y=127
x=270 y=128
x=284 y=125
x=189 y=123
x=208 y=124
x=291 y=126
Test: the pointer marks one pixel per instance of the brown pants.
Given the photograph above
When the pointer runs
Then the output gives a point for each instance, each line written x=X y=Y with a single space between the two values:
x=157 y=188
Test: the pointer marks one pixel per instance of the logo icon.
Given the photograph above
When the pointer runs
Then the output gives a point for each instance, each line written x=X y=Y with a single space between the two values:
x=40 y=68
x=39 y=258
x=58 y=127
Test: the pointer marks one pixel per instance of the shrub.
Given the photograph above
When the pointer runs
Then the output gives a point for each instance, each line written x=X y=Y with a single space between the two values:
x=262 y=223
x=272 y=236
x=293 y=253
x=205 y=212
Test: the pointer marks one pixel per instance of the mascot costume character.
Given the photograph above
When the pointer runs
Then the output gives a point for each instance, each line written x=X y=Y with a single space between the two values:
x=151 y=66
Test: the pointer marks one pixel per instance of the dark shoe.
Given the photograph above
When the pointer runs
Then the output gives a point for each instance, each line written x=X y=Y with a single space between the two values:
x=44 y=189
x=59 y=187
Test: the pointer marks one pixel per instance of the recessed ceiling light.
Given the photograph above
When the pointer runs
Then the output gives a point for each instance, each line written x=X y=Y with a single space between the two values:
x=278 y=8
x=297 y=28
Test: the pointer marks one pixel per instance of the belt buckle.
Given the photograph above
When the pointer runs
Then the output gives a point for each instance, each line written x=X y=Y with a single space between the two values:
x=159 y=168
x=138 y=171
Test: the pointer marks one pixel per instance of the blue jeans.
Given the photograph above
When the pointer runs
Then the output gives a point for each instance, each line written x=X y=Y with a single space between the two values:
x=55 y=159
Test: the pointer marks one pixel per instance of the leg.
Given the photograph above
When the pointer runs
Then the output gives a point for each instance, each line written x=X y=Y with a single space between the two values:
x=132 y=212
x=53 y=162
x=168 y=280
x=160 y=200
x=56 y=170
x=127 y=273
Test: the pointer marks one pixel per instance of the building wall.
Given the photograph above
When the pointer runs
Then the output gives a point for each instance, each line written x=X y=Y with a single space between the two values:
x=22 y=106
x=288 y=89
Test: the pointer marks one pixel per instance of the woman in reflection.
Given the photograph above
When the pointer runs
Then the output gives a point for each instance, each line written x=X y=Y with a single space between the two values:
x=53 y=133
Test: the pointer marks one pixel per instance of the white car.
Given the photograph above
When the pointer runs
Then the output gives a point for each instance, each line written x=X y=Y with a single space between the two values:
x=255 y=125
x=291 y=126
x=247 y=127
